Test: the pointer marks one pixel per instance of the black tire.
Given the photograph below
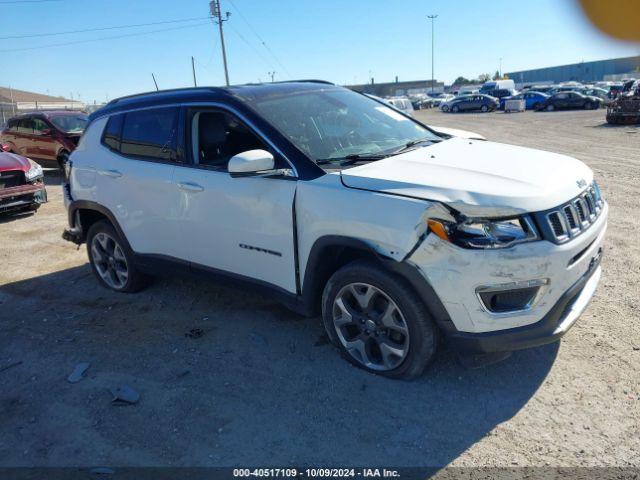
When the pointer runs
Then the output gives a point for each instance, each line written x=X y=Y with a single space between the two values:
x=550 y=108
x=63 y=158
x=455 y=109
x=422 y=333
x=135 y=280
x=484 y=109
x=445 y=108
x=536 y=106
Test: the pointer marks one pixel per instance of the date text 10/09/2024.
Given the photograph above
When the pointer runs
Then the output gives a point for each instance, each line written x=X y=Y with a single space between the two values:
x=316 y=472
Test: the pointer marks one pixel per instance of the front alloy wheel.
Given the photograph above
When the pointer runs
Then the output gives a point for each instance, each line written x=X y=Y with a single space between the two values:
x=370 y=326
x=377 y=321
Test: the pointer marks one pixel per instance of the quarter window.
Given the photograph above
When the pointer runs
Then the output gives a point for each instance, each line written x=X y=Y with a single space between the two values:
x=112 y=132
x=150 y=133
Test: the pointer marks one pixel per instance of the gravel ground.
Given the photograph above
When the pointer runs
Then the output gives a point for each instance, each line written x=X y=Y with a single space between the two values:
x=262 y=387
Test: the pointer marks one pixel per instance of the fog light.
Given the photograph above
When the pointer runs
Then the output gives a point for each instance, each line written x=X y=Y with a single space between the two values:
x=511 y=297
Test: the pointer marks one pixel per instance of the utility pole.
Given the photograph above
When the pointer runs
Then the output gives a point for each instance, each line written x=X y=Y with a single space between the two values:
x=432 y=17
x=500 y=69
x=272 y=74
x=216 y=13
x=193 y=69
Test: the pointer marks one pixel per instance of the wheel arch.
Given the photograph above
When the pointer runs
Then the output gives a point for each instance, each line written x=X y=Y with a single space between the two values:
x=329 y=253
x=84 y=213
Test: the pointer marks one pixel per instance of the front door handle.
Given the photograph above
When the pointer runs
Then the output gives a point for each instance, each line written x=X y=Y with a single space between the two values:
x=190 y=187
x=110 y=173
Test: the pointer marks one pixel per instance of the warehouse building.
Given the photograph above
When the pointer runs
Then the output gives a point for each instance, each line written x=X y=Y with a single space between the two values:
x=612 y=69
x=393 y=89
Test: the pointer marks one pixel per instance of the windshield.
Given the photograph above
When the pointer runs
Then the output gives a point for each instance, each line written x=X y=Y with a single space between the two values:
x=70 y=123
x=336 y=123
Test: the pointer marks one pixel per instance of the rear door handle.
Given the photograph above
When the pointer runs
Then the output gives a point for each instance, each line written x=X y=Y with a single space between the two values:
x=110 y=173
x=190 y=187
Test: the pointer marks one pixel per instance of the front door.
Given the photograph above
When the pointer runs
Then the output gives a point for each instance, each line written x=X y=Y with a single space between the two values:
x=239 y=225
x=43 y=143
x=23 y=138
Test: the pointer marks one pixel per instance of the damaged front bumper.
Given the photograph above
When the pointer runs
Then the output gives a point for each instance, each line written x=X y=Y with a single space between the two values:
x=553 y=283
x=22 y=197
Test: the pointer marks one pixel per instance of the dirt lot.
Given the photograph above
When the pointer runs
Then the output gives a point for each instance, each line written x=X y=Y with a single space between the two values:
x=262 y=387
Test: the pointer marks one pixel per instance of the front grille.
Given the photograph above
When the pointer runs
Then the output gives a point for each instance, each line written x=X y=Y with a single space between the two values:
x=571 y=219
x=11 y=178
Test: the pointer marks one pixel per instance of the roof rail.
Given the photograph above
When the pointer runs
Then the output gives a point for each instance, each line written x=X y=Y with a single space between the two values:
x=184 y=89
x=156 y=92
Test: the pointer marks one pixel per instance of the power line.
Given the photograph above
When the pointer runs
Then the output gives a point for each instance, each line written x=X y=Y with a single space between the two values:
x=98 y=29
x=264 y=59
x=264 y=44
x=8 y=2
x=113 y=37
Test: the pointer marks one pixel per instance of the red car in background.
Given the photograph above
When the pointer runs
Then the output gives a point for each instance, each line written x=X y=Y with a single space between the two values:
x=21 y=183
x=47 y=136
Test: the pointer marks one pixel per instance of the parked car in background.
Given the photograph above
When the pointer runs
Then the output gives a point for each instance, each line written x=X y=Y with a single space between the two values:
x=570 y=100
x=532 y=100
x=48 y=136
x=466 y=91
x=493 y=85
x=401 y=103
x=596 y=92
x=546 y=89
x=440 y=98
x=21 y=184
x=468 y=103
x=615 y=90
x=501 y=93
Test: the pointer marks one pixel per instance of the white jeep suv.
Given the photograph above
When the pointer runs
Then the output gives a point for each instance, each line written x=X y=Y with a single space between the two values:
x=336 y=203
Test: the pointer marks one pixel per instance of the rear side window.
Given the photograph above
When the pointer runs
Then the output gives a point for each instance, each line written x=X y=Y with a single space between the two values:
x=150 y=133
x=112 y=132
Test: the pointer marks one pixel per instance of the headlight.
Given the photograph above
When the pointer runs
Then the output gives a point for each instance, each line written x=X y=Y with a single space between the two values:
x=34 y=172
x=484 y=234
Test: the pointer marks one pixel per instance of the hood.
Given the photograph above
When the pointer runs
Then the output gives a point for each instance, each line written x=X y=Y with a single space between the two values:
x=454 y=132
x=11 y=161
x=477 y=178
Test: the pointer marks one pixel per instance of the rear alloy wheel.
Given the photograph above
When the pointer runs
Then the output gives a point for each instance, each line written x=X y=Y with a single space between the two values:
x=377 y=321
x=536 y=106
x=484 y=109
x=110 y=260
x=455 y=109
x=550 y=108
x=445 y=108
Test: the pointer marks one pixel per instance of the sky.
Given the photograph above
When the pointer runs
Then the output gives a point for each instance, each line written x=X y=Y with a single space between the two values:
x=343 y=41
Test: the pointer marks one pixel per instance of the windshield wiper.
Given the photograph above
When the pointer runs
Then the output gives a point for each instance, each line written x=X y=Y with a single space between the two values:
x=414 y=143
x=352 y=158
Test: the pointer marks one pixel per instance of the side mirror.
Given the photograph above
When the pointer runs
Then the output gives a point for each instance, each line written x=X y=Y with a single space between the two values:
x=4 y=147
x=251 y=162
x=46 y=132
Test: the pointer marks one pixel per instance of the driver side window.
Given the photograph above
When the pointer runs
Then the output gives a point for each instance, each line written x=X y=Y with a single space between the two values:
x=217 y=136
x=39 y=126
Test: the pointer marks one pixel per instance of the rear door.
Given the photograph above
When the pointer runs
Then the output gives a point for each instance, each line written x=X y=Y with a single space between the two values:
x=241 y=225
x=133 y=172
x=561 y=100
